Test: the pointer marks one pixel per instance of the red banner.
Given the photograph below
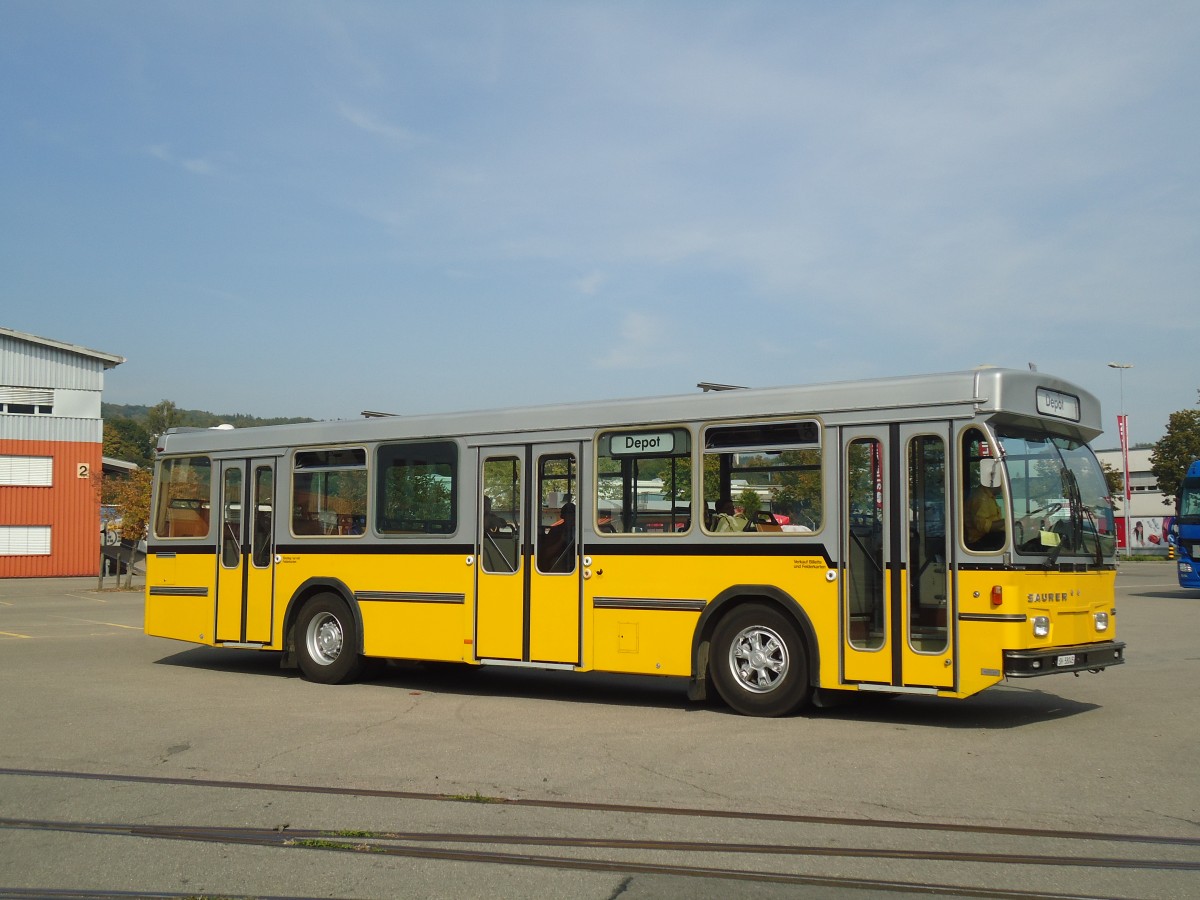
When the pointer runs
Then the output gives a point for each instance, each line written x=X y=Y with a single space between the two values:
x=1123 y=431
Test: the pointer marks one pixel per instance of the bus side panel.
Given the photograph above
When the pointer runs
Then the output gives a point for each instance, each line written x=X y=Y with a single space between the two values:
x=413 y=606
x=658 y=641
x=181 y=596
x=415 y=630
x=981 y=661
x=643 y=641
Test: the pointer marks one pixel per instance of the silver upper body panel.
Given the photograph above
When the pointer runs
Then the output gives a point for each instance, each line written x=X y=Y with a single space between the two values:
x=1003 y=393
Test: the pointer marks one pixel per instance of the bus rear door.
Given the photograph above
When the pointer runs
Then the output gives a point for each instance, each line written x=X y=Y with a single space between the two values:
x=246 y=552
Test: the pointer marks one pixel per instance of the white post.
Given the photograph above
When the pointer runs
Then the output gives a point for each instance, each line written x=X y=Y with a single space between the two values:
x=1123 y=429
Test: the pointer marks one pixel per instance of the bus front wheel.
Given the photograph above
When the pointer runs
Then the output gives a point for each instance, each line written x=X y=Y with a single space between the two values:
x=327 y=642
x=759 y=665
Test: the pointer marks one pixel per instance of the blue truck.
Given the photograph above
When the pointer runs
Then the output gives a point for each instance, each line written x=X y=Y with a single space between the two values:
x=1185 y=533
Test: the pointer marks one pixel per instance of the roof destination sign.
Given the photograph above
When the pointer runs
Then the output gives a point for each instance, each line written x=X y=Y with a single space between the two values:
x=1057 y=404
x=642 y=443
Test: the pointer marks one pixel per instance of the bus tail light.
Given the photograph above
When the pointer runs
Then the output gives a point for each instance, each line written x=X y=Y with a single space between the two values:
x=997 y=595
x=1041 y=626
x=1101 y=621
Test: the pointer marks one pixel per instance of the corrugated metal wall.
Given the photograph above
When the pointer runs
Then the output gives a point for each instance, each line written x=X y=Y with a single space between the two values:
x=51 y=428
x=71 y=507
x=27 y=364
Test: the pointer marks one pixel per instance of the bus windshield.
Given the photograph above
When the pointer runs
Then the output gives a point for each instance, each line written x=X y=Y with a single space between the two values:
x=1061 y=501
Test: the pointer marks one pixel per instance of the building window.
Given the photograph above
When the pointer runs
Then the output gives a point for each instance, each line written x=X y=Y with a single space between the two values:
x=26 y=471
x=21 y=401
x=24 y=540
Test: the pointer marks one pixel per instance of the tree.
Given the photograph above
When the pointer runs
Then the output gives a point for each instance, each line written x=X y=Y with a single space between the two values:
x=1179 y=447
x=131 y=495
x=162 y=416
x=126 y=439
x=1114 y=479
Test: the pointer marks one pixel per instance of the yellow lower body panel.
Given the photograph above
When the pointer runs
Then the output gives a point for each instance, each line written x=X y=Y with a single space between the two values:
x=636 y=641
x=181 y=597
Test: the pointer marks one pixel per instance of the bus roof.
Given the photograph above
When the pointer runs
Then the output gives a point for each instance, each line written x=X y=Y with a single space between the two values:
x=987 y=390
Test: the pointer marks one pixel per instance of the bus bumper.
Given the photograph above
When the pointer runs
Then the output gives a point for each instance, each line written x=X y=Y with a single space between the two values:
x=1083 y=658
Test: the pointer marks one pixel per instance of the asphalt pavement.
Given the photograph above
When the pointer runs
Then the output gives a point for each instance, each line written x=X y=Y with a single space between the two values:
x=136 y=766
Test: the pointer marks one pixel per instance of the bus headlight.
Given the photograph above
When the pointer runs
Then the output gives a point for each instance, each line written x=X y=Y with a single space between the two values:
x=1041 y=626
x=1101 y=621
x=1185 y=567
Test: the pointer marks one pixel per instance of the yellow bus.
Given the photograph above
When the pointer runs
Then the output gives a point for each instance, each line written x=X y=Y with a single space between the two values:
x=924 y=535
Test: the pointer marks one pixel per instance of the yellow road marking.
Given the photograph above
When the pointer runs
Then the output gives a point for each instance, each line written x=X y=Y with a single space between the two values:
x=113 y=625
x=94 y=622
x=13 y=634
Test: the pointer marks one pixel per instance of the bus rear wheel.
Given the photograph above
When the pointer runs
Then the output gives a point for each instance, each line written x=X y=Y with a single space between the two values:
x=759 y=665
x=326 y=641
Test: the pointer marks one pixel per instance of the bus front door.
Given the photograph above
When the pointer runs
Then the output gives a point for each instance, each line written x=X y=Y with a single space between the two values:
x=528 y=589
x=246 y=552
x=897 y=605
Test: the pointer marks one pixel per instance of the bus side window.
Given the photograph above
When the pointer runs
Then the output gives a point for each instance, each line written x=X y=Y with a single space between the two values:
x=644 y=482
x=500 y=528
x=328 y=487
x=416 y=488
x=184 y=498
x=983 y=494
x=763 y=477
x=558 y=532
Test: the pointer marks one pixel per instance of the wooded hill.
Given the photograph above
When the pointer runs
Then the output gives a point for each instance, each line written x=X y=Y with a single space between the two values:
x=129 y=429
x=193 y=418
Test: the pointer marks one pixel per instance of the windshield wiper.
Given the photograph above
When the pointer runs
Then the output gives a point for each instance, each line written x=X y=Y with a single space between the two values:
x=1077 y=512
x=1070 y=490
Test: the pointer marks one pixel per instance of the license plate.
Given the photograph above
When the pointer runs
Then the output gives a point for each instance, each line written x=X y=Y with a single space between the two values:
x=1067 y=660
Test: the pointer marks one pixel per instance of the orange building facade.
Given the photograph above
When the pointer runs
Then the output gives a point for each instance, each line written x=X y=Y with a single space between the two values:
x=51 y=439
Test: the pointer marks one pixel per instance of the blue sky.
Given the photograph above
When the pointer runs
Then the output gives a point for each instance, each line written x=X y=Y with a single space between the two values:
x=305 y=208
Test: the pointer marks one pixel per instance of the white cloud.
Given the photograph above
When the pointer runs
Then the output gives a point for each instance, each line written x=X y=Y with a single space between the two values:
x=195 y=165
x=837 y=189
x=590 y=283
x=645 y=341
x=374 y=125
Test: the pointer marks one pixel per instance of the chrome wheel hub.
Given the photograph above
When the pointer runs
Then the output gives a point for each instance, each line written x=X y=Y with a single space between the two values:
x=324 y=638
x=758 y=658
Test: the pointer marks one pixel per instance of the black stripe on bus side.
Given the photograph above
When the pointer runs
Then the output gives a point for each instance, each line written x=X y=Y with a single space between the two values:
x=182 y=549
x=649 y=603
x=408 y=597
x=1068 y=568
x=992 y=617
x=170 y=591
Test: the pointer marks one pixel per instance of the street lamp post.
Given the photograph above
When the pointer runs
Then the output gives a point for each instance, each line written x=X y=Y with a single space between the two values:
x=1123 y=432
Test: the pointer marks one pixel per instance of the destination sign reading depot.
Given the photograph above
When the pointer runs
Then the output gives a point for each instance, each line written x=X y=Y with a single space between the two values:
x=1057 y=404
x=642 y=443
